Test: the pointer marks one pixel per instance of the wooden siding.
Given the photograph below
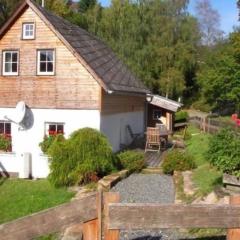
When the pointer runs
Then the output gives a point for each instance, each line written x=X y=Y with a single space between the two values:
x=72 y=87
x=112 y=104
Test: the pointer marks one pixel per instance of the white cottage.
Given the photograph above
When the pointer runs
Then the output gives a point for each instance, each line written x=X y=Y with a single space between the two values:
x=68 y=80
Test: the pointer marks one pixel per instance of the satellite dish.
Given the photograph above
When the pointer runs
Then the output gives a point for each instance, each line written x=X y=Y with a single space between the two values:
x=20 y=112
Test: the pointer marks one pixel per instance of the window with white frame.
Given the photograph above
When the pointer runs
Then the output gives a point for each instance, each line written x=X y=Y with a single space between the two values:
x=5 y=128
x=28 y=31
x=45 y=62
x=157 y=114
x=54 y=129
x=10 y=63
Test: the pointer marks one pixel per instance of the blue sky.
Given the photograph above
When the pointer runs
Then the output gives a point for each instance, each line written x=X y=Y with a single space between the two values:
x=226 y=8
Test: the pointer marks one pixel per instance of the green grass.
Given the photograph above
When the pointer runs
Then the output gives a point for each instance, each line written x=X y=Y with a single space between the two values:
x=22 y=197
x=205 y=177
x=197 y=145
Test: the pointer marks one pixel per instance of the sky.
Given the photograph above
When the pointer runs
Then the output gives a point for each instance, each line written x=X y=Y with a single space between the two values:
x=226 y=8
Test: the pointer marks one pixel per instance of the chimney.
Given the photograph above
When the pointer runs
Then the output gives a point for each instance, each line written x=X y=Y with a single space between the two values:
x=43 y=3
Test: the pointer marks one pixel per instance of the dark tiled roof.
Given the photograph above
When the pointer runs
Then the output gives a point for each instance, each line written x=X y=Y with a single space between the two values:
x=101 y=59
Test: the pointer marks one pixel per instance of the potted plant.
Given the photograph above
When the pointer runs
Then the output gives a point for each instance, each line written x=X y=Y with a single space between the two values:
x=5 y=143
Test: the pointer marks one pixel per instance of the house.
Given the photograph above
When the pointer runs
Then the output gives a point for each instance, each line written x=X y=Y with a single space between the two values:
x=161 y=110
x=68 y=80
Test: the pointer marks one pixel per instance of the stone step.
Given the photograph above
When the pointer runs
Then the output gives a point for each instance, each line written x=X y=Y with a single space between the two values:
x=152 y=170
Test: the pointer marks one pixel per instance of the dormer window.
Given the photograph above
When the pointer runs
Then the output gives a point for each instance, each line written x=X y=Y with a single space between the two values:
x=28 y=31
x=10 y=63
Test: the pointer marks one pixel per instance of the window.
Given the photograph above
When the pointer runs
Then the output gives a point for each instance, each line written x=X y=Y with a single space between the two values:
x=54 y=128
x=10 y=63
x=5 y=128
x=157 y=114
x=28 y=31
x=46 y=62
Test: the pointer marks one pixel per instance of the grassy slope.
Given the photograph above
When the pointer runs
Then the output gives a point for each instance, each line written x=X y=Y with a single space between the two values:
x=22 y=197
x=205 y=177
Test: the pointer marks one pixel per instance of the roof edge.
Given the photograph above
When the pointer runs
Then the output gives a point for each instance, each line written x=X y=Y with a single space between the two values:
x=19 y=10
x=67 y=44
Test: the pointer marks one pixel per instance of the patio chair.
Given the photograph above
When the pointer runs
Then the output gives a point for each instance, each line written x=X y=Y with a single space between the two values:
x=134 y=136
x=153 y=141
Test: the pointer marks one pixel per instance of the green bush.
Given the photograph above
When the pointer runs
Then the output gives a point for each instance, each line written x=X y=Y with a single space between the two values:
x=177 y=160
x=181 y=116
x=5 y=143
x=84 y=157
x=224 y=151
x=132 y=160
x=47 y=142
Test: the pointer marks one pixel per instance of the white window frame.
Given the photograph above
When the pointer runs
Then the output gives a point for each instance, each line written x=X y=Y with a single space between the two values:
x=53 y=123
x=4 y=127
x=24 y=26
x=39 y=62
x=4 y=63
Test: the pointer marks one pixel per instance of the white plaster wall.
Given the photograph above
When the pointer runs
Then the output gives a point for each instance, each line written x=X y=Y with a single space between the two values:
x=28 y=140
x=9 y=163
x=114 y=127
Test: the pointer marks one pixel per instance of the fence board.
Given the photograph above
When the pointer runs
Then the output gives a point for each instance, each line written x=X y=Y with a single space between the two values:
x=154 y=216
x=50 y=220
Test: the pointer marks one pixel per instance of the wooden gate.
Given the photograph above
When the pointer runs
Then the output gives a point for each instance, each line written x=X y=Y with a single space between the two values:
x=103 y=217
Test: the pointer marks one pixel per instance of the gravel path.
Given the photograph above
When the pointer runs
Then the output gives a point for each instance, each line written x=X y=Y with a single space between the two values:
x=147 y=188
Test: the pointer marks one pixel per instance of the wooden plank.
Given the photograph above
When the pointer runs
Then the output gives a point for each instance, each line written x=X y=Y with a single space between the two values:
x=51 y=220
x=232 y=180
x=234 y=234
x=90 y=230
x=99 y=213
x=110 y=197
x=154 y=216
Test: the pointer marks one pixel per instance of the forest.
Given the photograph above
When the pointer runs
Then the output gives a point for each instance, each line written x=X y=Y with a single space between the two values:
x=176 y=54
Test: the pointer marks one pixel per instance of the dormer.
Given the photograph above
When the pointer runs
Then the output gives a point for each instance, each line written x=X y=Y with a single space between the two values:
x=28 y=31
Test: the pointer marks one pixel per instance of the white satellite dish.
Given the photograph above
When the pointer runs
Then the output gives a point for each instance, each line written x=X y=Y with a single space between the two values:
x=18 y=114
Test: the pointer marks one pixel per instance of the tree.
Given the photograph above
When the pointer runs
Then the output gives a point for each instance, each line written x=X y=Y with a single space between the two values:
x=85 y=5
x=220 y=74
x=157 y=40
x=209 y=21
x=238 y=5
x=6 y=9
x=59 y=7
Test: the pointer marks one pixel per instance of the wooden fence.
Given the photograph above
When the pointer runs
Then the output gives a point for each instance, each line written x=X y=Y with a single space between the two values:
x=211 y=125
x=103 y=217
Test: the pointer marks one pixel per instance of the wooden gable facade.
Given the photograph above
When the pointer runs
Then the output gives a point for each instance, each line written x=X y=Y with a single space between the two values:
x=72 y=86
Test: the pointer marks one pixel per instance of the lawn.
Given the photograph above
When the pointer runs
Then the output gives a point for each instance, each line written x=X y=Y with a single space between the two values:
x=22 y=197
x=205 y=177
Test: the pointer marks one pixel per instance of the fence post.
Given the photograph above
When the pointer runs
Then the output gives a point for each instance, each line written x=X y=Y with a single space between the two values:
x=110 y=197
x=92 y=230
x=234 y=234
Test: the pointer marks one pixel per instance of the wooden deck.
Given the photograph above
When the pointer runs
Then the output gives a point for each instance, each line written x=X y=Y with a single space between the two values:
x=152 y=159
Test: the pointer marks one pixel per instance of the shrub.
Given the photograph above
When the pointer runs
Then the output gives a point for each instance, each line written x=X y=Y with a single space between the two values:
x=132 y=160
x=181 y=116
x=84 y=157
x=47 y=142
x=224 y=151
x=177 y=160
x=5 y=143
